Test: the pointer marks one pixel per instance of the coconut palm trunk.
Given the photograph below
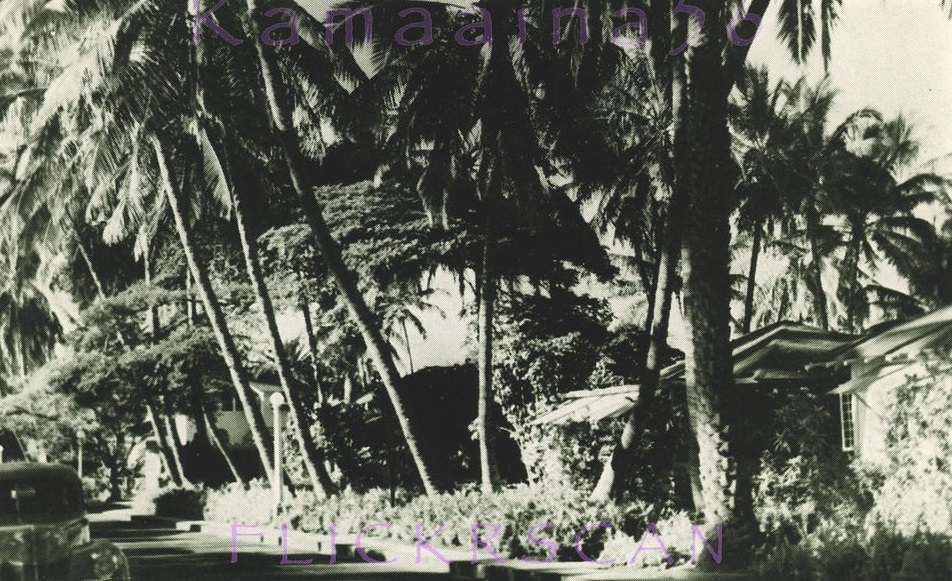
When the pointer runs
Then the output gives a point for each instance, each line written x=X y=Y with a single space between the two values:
x=704 y=166
x=487 y=300
x=216 y=441
x=176 y=442
x=312 y=347
x=756 y=239
x=406 y=341
x=216 y=317
x=344 y=278
x=815 y=269
x=165 y=450
x=87 y=260
x=672 y=76
x=196 y=403
x=166 y=419
x=607 y=485
x=851 y=289
x=311 y=455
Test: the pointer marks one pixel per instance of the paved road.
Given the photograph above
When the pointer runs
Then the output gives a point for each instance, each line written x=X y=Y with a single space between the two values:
x=163 y=554
x=157 y=554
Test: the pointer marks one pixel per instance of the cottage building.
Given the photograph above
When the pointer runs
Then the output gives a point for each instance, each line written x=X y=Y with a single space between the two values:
x=878 y=364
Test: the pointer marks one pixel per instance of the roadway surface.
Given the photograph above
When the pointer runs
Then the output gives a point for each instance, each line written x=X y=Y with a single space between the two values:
x=161 y=554
x=165 y=554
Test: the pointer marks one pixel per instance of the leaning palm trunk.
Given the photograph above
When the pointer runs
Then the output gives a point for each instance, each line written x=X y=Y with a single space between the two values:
x=329 y=249
x=639 y=415
x=312 y=347
x=196 y=402
x=216 y=441
x=216 y=317
x=311 y=455
x=176 y=442
x=165 y=450
x=175 y=445
x=660 y=301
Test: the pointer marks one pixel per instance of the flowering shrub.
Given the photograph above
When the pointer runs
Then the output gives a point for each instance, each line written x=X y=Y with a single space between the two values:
x=885 y=556
x=916 y=489
x=235 y=503
x=555 y=513
x=674 y=532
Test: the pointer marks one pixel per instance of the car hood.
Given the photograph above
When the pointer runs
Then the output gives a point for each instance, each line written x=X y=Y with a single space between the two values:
x=44 y=542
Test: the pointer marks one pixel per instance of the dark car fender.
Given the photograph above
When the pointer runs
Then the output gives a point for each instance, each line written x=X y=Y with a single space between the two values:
x=83 y=560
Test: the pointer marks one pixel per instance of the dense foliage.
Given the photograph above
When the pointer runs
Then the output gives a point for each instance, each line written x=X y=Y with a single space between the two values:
x=915 y=481
x=184 y=222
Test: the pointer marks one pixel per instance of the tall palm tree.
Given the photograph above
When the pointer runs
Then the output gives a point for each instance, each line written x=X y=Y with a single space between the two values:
x=97 y=145
x=222 y=176
x=703 y=161
x=703 y=168
x=760 y=126
x=213 y=310
x=658 y=84
x=487 y=157
x=879 y=210
x=279 y=110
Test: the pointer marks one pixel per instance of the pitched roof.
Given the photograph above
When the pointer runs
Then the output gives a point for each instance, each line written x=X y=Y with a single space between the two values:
x=785 y=353
x=930 y=332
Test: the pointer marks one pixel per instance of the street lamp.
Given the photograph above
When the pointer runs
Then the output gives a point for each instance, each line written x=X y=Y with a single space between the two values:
x=80 y=436
x=277 y=400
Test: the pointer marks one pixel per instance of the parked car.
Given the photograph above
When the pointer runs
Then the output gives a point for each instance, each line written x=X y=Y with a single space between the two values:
x=44 y=533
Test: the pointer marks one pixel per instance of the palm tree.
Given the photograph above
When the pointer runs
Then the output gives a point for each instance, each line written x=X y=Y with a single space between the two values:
x=106 y=159
x=279 y=111
x=402 y=306
x=879 y=210
x=312 y=456
x=222 y=177
x=656 y=205
x=703 y=162
x=762 y=136
x=486 y=159
x=212 y=306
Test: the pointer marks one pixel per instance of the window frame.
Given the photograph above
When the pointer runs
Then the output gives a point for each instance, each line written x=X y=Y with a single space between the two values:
x=848 y=422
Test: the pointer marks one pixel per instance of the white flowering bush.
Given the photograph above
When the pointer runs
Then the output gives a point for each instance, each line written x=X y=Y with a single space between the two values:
x=239 y=504
x=916 y=491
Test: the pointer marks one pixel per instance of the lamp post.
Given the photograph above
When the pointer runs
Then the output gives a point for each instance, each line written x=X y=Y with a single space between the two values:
x=80 y=437
x=277 y=400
